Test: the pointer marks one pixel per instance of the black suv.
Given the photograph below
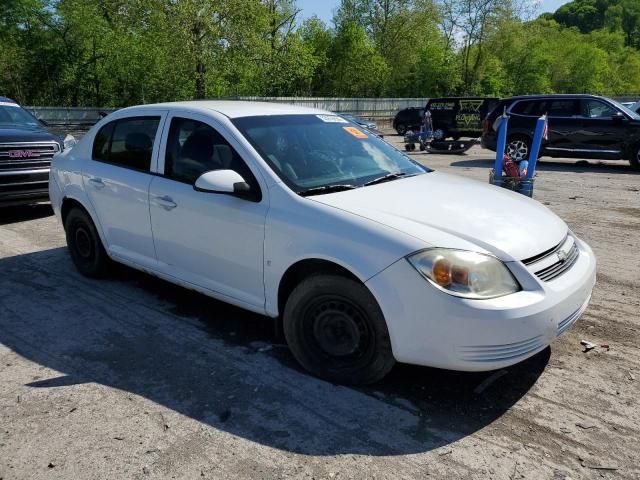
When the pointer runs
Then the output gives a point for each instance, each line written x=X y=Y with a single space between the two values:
x=26 y=150
x=459 y=116
x=408 y=119
x=580 y=126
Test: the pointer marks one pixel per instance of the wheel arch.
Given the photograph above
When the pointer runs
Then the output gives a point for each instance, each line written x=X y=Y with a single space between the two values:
x=306 y=268
x=70 y=200
x=633 y=155
x=519 y=132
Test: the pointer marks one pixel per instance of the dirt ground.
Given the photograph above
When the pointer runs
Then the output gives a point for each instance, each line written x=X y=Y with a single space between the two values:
x=131 y=377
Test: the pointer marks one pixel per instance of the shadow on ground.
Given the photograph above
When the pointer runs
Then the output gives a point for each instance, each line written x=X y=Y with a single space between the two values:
x=579 y=166
x=24 y=213
x=225 y=368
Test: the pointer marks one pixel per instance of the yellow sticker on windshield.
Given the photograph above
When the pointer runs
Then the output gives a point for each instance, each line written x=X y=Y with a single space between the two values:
x=355 y=132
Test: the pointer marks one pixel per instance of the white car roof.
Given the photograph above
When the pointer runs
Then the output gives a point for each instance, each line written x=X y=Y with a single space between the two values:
x=232 y=108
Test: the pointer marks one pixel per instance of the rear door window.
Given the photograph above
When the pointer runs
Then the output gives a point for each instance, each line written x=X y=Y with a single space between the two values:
x=529 y=107
x=562 y=107
x=127 y=142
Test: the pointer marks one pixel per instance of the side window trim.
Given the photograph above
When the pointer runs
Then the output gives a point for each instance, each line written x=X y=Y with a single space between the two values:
x=547 y=101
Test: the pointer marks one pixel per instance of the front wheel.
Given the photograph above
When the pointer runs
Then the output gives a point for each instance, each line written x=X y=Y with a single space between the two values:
x=634 y=159
x=401 y=128
x=336 y=330
x=85 y=246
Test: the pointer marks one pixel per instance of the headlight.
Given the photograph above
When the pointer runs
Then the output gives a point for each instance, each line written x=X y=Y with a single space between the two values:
x=69 y=142
x=465 y=274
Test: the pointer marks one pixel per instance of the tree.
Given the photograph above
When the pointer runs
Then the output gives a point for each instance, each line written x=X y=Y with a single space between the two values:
x=474 y=21
x=355 y=68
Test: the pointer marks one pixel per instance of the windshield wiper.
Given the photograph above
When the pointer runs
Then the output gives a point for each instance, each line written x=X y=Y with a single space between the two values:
x=325 y=189
x=387 y=178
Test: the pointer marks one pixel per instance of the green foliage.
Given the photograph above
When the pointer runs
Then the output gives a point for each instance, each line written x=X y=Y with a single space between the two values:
x=354 y=68
x=122 y=52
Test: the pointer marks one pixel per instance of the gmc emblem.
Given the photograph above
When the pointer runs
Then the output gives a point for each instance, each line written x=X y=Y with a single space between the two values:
x=22 y=154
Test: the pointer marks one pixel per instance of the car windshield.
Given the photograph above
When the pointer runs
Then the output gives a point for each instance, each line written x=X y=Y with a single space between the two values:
x=626 y=110
x=15 y=116
x=323 y=153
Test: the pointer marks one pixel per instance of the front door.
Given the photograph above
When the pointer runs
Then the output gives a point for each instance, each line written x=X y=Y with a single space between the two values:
x=601 y=135
x=214 y=241
x=117 y=180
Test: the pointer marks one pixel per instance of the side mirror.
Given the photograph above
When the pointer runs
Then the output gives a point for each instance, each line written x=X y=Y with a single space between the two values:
x=618 y=116
x=227 y=182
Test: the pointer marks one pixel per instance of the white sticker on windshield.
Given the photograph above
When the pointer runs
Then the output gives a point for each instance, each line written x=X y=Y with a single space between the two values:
x=332 y=119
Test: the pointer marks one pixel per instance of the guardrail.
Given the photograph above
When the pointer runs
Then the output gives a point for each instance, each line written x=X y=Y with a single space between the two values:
x=381 y=110
x=70 y=116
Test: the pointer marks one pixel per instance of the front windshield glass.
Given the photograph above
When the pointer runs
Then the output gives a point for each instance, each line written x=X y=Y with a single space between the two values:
x=15 y=116
x=315 y=151
x=626 y=110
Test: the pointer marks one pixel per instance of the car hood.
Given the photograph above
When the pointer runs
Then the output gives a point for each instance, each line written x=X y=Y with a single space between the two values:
x=18 y=134
x=506 y=224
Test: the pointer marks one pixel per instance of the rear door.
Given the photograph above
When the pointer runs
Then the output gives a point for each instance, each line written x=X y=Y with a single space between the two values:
x=117 y=180
x=564 y=122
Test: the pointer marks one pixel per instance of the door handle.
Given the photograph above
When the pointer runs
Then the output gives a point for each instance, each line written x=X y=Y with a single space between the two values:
x=166 y=202
x=96 y=182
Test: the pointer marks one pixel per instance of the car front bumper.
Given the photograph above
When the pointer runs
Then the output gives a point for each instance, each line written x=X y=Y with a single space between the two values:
x=432 y=328
x=24 y=186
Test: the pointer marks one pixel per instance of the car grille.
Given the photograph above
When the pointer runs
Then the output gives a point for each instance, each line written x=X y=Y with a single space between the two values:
x=496 y=353
x=27 y=156
x=565 y=254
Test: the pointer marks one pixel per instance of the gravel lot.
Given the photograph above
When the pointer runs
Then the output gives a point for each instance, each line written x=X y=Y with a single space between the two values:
x=131 y=377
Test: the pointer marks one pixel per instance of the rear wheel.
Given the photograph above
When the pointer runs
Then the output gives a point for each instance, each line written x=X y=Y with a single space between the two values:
x=336 y=330
x=401 y=128
x=518 y=147
x=85 y=246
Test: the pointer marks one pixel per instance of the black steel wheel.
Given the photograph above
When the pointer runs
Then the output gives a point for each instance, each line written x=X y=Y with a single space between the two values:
x=336 y=330
x=85 y=246
x=401 y=128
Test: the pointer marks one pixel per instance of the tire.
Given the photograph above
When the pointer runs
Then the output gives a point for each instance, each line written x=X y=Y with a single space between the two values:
x=335 y=330
x=634 y=159
x=518 y=147
x=439 y=133
x=401 y=128
x=85 y=247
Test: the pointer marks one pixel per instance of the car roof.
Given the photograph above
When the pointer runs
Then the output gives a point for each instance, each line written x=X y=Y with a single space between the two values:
x=553 y=95
x=233 y=108
x=462 y=98
x=6 y=100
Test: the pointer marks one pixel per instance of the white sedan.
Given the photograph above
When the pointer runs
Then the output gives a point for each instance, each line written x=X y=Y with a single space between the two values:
x=367 y=256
